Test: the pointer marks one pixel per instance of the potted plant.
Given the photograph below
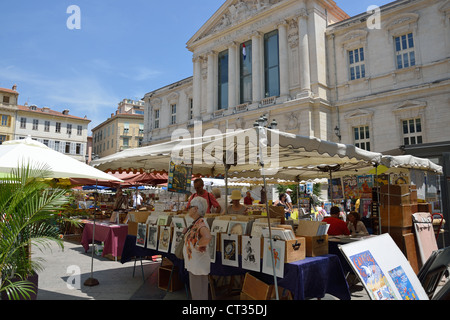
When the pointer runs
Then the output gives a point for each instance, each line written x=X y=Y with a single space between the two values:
x=29 y=208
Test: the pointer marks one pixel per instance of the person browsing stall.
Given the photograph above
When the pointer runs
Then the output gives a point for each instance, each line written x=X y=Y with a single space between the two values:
x=281 y=202
x=196 y=256
x=200 y=192
x=217 y=194
x=337 y=226
x=236 y=207
x=289 y=200
x=248 y=200
x=355 y=225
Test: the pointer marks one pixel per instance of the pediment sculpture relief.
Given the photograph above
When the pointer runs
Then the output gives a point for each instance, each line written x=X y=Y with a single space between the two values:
x=239 y=11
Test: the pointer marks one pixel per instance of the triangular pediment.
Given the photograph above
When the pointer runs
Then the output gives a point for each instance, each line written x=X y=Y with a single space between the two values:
x=358 y=113
x=231 y=13
x=410 y=105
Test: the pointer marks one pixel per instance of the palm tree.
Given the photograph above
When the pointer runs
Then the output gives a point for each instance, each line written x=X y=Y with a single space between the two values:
x=28 y=210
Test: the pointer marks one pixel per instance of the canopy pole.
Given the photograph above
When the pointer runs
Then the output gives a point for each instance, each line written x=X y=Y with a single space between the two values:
x=261 y=162
x=90 y=282
x=226 y=188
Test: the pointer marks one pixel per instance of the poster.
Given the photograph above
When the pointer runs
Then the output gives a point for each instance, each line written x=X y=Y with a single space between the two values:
x=212 y=247
x=176 y=238
x=141 y=234
x=179 y=178
x=400 y=178
x=336 y=191
x=251 y=253
x=230 y=250
x=383 y=269
x=164 y=238
x=152 y=239
x=372 y=276
x=351 y=190
x=278 y=250
x=365 y=184
x=403 y=284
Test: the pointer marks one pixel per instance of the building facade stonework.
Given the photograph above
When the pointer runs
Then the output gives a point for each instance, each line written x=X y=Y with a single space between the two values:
x=318 y=72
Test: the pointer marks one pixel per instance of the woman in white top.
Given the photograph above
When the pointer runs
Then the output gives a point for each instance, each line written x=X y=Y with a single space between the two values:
x=355 y=225
x=196 y=257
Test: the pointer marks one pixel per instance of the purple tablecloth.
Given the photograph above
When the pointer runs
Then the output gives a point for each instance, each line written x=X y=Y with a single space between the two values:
x=311 y=277
x=112 y=235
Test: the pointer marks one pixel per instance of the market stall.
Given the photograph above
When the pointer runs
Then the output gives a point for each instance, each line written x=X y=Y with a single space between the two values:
x=262 y=153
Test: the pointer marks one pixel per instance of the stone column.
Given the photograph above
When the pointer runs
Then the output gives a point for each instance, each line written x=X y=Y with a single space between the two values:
x=233 y=73
x=211 y=83
x=197 y=87
x=305 y=78
x=257 y=68
x=283 y=56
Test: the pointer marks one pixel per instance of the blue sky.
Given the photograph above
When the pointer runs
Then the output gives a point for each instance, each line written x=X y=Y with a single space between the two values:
x=123 y=49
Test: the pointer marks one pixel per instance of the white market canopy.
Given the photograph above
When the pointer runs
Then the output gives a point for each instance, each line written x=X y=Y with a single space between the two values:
x=29 y=152
x=288 y=156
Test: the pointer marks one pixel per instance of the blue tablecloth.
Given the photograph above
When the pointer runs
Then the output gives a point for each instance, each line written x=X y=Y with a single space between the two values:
x=311 y=277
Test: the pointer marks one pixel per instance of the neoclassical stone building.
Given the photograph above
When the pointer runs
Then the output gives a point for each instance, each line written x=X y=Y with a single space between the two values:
x=379 y=80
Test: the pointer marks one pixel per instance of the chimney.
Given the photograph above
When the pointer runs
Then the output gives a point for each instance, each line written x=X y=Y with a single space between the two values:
x=65 y=112
x=14 y=87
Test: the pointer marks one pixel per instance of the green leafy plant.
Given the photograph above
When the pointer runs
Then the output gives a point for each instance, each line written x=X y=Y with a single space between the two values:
x=29 y=210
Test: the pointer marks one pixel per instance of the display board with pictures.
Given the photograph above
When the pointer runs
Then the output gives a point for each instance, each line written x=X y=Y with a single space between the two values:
x=212 y=247
x=383 y=269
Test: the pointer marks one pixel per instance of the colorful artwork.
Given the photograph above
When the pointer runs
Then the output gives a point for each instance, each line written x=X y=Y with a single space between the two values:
x=336 y=188
x=403 y=284
x=372 y=276
x=351 y=190
x=365 y=184
x=278 y=249
x=179 y=178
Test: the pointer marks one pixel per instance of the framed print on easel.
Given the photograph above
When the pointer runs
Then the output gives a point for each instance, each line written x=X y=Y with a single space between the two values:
x=383 y=269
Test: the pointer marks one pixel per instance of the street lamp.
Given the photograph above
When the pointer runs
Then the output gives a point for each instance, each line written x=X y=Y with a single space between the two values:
x=337 y=132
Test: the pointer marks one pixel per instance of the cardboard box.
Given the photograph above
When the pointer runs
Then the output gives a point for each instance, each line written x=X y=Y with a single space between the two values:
x=295 y=250
x=397 y=215
x=139 y=217
x=396 y=199
x=316 y=246
x=424 y=207
x=397 y=189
